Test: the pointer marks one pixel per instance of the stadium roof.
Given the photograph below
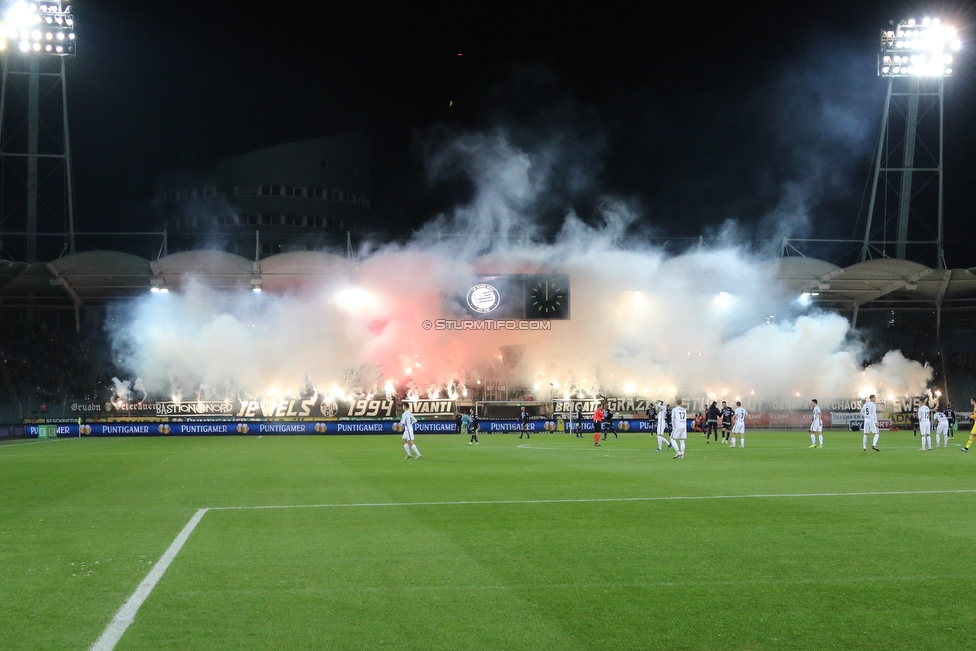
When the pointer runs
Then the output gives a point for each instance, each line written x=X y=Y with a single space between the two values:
x=96 y=277
x=901 y=281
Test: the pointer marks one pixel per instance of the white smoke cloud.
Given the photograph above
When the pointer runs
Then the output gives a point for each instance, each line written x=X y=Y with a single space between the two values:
x=710 y=323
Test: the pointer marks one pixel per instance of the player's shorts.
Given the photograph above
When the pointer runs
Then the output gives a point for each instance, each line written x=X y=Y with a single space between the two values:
x=817 y=427
x=726 y=427
x=407 y=434
x=925 y=427
x=870 y=428
x=680 y=433
x=739 y=428
x=942 y=428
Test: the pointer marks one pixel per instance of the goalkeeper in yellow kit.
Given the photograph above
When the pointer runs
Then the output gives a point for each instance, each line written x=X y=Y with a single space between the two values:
x=973 y=433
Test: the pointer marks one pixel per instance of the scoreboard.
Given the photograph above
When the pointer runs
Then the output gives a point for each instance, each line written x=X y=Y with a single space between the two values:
x=513 y=296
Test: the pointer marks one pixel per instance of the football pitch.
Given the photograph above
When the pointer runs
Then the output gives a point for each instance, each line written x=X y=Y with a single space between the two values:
x=548 y=543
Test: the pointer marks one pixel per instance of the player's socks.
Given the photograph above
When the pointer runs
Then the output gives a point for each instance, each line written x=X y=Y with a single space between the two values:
x=821 y=440
x=865 y=444
x=874 y=443
x=596 y=439
x=682 y=444
x=416 y=452
x=733 y=441
x=742 y=442
x=406 y=446
x=813 y=440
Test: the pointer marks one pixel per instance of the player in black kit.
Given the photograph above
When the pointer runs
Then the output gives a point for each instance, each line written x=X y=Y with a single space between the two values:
x=727 y=413
x=579 y=421
x=608 y=424
x=474 y=427
x=651 y=418
x=524 y=418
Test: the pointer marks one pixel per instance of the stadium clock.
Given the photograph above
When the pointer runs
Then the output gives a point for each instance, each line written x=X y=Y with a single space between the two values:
x=547 y=297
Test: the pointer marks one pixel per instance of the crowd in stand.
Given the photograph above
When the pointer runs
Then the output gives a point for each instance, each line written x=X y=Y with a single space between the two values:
x=961 y=362
x=45 y=366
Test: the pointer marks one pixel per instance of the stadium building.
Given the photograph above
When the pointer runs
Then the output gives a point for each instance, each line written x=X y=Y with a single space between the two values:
x=928 y=313
x=306 y=195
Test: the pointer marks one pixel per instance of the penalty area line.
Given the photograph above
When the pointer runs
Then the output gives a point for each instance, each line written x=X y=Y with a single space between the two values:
x=127 y=613
x=594 y=500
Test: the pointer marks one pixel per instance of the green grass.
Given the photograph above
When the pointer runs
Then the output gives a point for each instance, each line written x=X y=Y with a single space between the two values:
x=81 y=521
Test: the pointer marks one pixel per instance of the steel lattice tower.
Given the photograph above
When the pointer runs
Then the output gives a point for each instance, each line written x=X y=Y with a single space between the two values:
x=904 y=217
x=36 y=193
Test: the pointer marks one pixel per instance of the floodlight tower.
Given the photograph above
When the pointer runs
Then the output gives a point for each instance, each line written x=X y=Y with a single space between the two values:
x=35 y=162
x=916 y=57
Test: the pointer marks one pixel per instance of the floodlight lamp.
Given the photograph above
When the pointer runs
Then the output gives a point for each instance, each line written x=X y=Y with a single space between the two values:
x=23 y=23
x=925 y=49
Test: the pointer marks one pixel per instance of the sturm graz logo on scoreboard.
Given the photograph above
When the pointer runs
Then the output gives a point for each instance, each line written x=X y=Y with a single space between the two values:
x=483 y=298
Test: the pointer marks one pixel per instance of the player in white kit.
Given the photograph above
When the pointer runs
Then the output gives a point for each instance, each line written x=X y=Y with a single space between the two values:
x=816 y=425
x=925 y=425
x=941 y=429
x=679 y=429
x=739 y=424
x=408 y=420
x=869 y=412
x=662 y=415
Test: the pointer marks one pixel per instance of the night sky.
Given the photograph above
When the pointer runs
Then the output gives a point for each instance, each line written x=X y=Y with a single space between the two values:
x=694 y=112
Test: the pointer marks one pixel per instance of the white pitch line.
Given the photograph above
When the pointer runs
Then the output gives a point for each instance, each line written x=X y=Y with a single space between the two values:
x=665 y=498
x=127 y=613
x=16 y=443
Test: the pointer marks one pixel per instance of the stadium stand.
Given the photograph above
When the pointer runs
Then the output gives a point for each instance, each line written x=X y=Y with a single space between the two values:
x=53 y=348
